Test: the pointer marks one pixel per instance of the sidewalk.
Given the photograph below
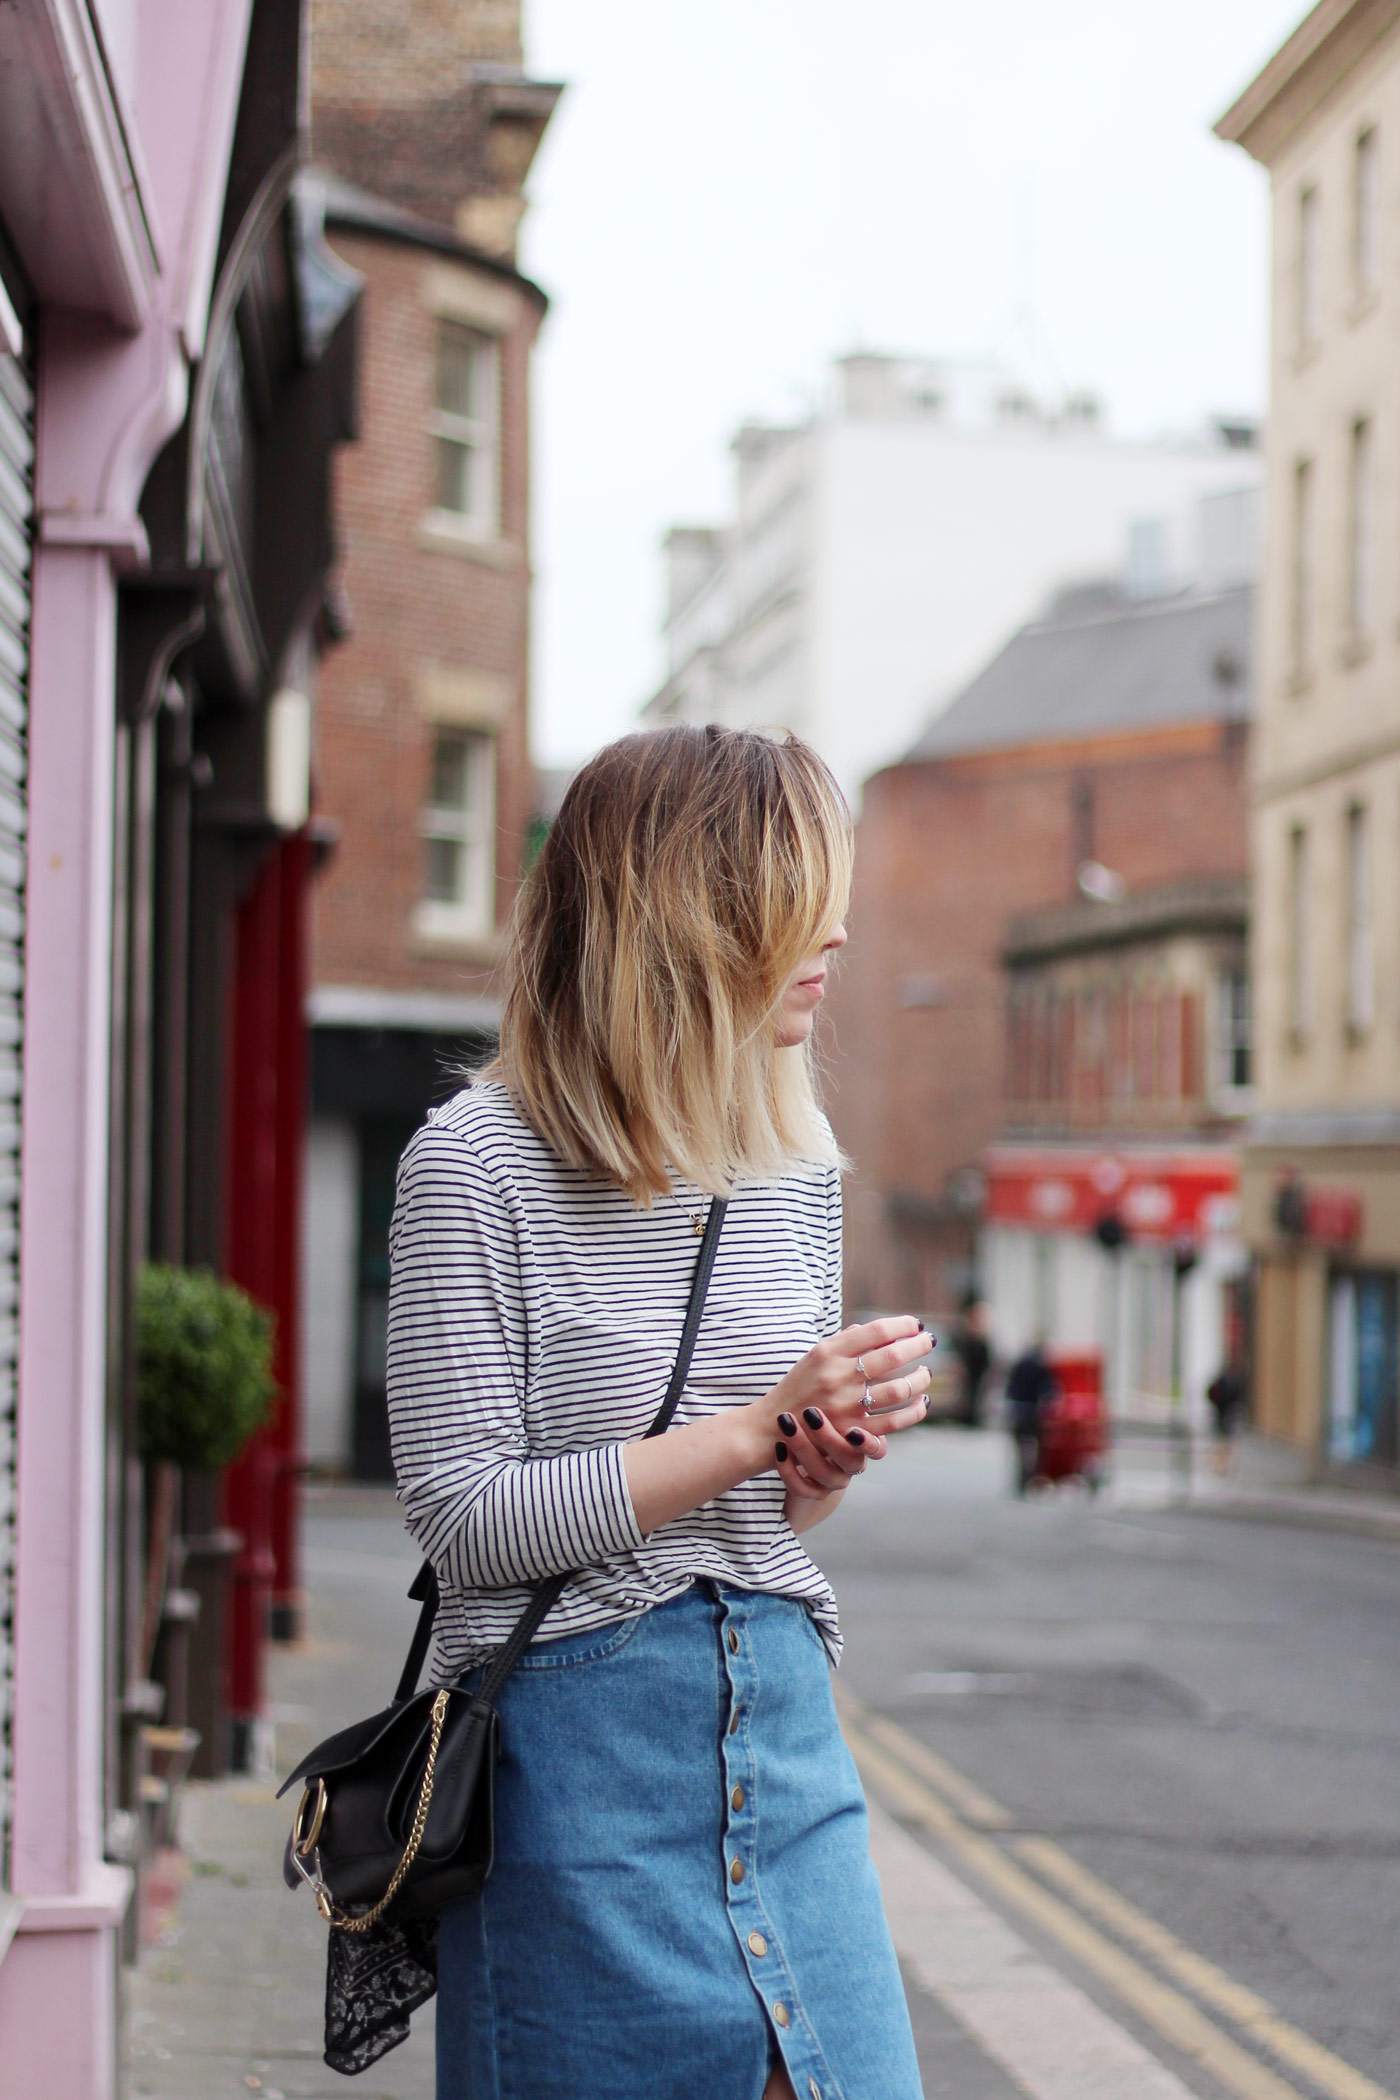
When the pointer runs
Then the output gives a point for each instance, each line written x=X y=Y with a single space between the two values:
x=228 y=2000
x=1147 y=1470
x=1267 y=1481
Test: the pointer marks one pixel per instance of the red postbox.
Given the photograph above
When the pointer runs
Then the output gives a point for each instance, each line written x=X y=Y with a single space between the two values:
x=1074 y=1436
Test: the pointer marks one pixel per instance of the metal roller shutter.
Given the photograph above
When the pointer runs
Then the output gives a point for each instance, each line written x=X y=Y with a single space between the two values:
x=16 y=543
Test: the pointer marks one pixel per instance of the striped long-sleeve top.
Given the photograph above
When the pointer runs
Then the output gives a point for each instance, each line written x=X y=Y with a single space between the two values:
x=534 y=1316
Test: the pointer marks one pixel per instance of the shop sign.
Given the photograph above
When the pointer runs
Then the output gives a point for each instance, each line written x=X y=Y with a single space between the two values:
x=1160 y=1198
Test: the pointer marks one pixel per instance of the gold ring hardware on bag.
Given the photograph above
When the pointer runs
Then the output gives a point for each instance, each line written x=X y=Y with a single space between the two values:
x=304 y=1833
x=363 y=1921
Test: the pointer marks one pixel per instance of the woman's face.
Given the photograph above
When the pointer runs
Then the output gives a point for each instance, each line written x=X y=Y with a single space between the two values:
x=797 y=1009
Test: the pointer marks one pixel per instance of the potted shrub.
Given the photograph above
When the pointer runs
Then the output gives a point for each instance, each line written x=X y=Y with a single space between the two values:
x=203 y=1367
x=204 y=1386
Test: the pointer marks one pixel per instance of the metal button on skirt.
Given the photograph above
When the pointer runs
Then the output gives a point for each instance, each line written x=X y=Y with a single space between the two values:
x=682 y=1889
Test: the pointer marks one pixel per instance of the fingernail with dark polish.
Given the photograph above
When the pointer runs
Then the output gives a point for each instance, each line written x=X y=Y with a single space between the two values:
x=811 y=1418
x=787 y=1425
x=781 y=1450
x=856 y=1437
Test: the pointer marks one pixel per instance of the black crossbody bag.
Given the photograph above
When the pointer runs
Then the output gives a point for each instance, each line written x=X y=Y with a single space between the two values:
x=396 y=1814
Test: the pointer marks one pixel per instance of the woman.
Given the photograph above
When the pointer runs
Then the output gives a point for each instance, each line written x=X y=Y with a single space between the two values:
x=682 y=1905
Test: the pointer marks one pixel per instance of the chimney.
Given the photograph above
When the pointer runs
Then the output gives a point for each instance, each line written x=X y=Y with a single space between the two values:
x=426 y=104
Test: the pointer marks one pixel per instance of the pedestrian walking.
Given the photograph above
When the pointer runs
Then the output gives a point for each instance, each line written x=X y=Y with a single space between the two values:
x=682 y=1901
x=1030 y=1387
x=973 y=1355
x=1226 y=1394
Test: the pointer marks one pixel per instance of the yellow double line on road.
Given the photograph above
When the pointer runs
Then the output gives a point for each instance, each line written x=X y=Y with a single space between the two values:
x=928 y=1791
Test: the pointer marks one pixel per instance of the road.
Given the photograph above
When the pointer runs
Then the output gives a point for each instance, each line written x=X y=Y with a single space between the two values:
x=1135 y=1786
x=1162 y=1748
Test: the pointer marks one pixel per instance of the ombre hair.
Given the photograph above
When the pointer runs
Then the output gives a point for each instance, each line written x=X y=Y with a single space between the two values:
x=688 y=874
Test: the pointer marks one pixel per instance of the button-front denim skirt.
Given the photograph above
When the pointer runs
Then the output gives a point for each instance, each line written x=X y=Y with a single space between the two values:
x=683 y=1888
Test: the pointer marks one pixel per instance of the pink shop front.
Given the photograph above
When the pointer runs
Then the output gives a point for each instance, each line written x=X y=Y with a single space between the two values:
x=1132 y=1253
x=149 y=159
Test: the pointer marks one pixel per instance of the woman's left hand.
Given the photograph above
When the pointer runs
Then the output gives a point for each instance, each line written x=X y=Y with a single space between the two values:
x=819 y=1460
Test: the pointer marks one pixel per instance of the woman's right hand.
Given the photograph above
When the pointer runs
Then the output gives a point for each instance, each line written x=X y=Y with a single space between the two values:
x=814 y=1421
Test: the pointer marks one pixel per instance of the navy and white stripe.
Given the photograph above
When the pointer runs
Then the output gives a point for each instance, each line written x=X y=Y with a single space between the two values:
x=534 y=1315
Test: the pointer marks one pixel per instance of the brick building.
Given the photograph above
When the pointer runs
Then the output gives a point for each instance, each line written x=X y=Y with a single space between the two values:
x=1112 y=735
x=424 y=126
x=1112 y=1192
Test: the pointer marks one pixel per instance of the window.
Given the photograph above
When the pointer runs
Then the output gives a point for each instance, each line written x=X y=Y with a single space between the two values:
x=1232 y=1030
x=1065 y=1051
x=1168 y=1046
x=1307 y=264
x=1304 y=584
x=1299 y=956
x=1365 y=215
x=1361 y=610
x=1361 y=990
x=1019 y=1044
x=1189 y=1046
x=1121 y=1043
x=459 y=833
x=1045 y=1042
x=1094 y=1037
x=1365 y=1362
x=465 y=427
x=1144 y=1044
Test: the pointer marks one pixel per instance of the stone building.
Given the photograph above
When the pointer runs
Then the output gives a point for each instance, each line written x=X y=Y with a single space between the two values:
x=1322 y=1165
x=423 y=126
x=1112 y=1199
x=1105 y=744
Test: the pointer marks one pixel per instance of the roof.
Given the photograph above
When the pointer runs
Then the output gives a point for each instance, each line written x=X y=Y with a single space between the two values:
x=1334 y=39
x=1086 y=670
x=346 y=204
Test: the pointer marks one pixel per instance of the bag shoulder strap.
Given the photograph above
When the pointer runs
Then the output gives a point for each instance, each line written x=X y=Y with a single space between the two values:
x=546 y=1595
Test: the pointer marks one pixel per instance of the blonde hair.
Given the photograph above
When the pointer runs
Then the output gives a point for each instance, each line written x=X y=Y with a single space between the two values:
x=688 y=873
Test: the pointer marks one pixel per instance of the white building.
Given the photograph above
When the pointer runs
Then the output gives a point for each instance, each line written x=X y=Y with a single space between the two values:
x=881 y=551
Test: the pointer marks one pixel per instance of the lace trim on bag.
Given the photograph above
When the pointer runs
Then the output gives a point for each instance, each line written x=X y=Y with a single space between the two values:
x=374 y=1981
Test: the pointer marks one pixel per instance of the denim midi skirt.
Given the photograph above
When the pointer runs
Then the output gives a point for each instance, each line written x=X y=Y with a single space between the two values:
x=683 y=1888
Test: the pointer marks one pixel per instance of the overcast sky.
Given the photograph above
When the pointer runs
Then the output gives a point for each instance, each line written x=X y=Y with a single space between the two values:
x=732 y=192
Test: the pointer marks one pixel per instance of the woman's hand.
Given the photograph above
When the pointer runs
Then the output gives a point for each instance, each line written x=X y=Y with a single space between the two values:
x=812 y=1425
x=822 y=1436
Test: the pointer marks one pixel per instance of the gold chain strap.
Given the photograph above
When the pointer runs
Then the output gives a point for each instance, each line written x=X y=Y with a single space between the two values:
x=344 y=1920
